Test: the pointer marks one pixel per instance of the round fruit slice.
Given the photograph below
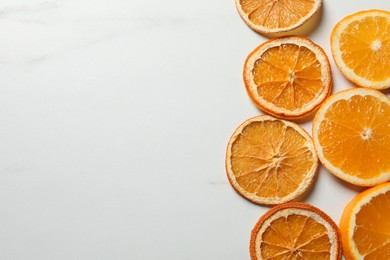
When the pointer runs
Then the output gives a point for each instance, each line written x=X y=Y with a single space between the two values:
x=361 y=48
x=270 y=161
x=365 y=225
x=295 y=231
x=351 y=133
x=288 y=77
x=280 y=17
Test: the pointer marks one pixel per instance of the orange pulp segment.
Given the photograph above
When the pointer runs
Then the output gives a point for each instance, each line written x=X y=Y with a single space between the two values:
x=352 y=136
x=361 y=48
x=365 y=224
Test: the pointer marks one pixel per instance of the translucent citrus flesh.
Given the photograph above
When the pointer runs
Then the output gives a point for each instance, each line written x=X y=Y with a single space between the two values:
x=365 y=47
x=372 y=232
x=270 y=159
x=355 y=136
x=276 y=14
x=288 y=76
x=295 y=237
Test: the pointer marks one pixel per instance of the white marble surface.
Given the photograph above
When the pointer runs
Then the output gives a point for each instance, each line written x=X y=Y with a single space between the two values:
x=114 y=121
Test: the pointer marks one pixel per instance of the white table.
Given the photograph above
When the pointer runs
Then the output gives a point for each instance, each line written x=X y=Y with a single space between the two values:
x=115 y=116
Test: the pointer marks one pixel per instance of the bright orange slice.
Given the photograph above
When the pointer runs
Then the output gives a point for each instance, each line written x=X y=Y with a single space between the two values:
x=351 y=133
x=295 y=231
x=270 y=161
x=361 y=48
x=280 y=17
x=365 y=225
x=288 y=77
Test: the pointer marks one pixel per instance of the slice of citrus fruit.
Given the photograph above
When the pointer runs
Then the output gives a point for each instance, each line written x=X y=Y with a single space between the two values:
x=351 y=133
x=288 y=77
x=270 y=161
x=365 y=225
x=295 y=231
x=361 y=48
x=280 y=17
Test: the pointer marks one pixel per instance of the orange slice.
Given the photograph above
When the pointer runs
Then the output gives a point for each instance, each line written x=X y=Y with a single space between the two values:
x=361 y=48
x=280 y=17
x=288 y=77
x=351 y=133
x=365 y=225
x=270 y=161
x=295 y=231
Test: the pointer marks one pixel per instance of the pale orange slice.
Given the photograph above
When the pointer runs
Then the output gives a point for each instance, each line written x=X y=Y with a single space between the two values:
x=270 y=161
x=295 y=231
x=361 y=48
x=288 y=77
x=280 y=17
x=351 y=133
x=365 y=225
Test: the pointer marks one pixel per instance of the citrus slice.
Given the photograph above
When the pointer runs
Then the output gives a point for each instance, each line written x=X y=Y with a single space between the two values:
x=280 y=17
x=365 y=225
x=351 y=133
x=270 y=161
x=361 y=48
x=288 y=77
x=295 y=231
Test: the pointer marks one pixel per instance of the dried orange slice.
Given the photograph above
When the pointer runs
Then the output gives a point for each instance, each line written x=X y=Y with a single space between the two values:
x=361 y=48
x=288 y=77
x=280 y=17
x=295 y=231
x=365 y=225
x=351 y=133
x=270 y=161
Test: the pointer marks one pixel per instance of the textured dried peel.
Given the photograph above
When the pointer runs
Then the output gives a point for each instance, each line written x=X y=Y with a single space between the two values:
x=295 y=231
x=270 y=161
x=268 y=12
x=288 y=77
x=281 y=17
